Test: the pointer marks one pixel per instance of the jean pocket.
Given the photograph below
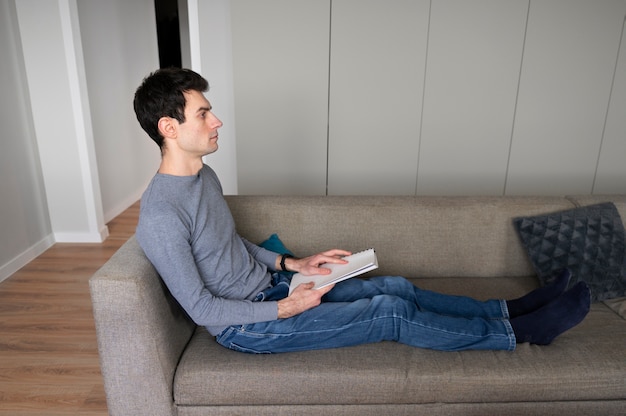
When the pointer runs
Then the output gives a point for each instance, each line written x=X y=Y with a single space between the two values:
x=239 y=348
x=222 y=338
x=230 y=334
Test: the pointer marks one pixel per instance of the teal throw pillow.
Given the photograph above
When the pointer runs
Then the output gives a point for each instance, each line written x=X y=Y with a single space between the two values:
x=274 y=243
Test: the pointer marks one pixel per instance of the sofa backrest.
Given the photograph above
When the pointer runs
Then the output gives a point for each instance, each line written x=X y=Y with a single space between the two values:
x=142 y=332
x=413 y=236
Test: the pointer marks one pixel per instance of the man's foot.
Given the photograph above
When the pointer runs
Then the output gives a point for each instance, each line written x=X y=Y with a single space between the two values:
x=545 y=324
x=539 y=297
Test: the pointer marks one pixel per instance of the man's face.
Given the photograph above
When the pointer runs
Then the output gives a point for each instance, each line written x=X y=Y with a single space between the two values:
x=198 y=134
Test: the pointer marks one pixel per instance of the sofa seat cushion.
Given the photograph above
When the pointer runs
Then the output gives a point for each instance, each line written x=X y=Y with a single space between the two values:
x=582 y=364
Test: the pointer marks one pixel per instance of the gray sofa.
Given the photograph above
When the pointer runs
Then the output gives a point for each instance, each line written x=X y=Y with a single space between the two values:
x=155 y=361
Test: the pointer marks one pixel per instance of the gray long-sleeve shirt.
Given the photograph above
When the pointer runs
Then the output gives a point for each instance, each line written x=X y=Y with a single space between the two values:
x=188 y=233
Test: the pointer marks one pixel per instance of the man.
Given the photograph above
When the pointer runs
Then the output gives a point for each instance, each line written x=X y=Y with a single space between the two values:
x=232 y=286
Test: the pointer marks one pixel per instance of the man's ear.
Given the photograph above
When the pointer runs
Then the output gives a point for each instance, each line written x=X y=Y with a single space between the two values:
x=168 y=127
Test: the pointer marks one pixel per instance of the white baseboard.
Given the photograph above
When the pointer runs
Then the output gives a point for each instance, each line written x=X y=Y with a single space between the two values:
x=25 y=257
x=98 y=237
x=37 y=249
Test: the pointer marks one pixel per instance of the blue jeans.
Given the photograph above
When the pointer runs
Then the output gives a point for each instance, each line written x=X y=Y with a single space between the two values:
x=359 y=311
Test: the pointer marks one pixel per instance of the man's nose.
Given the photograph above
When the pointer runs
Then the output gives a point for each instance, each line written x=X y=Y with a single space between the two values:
x=216 y=123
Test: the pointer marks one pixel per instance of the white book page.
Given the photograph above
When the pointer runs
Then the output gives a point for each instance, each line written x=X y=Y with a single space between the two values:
x=358 y=263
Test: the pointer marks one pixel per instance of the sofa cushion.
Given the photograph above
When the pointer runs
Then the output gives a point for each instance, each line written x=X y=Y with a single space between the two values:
x=275 y=244
x=413 y=236
x=392 y=373
x=618 y=305
x=587 y=240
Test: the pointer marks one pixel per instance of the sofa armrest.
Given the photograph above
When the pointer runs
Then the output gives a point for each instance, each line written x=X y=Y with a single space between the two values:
x=142 y=332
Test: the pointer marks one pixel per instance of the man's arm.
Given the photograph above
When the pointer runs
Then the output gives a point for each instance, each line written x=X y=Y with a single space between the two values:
x=304 y=297
x=165 y=240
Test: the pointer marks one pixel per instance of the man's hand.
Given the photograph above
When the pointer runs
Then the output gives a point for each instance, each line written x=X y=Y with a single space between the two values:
x=309 y=266
x=303 y=297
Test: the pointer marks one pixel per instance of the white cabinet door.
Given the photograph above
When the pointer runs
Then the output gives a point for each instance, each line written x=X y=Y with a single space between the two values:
x=448 y=97
x=569 y=62
x=474 y=57
x=280 y=59
x=378 y=51
x=611 y=174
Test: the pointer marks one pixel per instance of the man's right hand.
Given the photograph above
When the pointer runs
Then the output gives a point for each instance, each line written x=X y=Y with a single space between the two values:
x=303 y=297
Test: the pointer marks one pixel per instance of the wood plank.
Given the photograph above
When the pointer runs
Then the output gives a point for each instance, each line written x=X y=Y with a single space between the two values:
x=48 y=349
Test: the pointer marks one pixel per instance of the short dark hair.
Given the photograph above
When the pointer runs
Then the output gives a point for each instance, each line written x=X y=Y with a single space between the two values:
x=161 y=95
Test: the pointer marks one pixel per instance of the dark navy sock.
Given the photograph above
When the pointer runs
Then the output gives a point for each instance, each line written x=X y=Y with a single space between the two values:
x=545 y=324
x=539 y=297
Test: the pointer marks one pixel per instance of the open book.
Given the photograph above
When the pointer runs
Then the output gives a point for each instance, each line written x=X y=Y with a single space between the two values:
x=358 y=263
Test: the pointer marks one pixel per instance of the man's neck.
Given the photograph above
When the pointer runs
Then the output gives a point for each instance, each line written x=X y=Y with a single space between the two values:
x=177 y=167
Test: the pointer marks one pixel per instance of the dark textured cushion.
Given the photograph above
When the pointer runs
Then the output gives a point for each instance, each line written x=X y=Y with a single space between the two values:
x=587 y=240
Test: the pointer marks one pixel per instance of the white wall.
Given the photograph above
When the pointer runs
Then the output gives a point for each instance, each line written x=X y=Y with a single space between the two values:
x=52 y=51
x=25 y=230
x=212 y=58
x=120 y=49
x=74 y=156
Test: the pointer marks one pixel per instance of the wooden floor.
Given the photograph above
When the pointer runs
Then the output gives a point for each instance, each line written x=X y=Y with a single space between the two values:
x=48 y=351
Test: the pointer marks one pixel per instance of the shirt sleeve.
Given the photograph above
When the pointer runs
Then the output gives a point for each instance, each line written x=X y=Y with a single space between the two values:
x=263 y=256
x=165 y=241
